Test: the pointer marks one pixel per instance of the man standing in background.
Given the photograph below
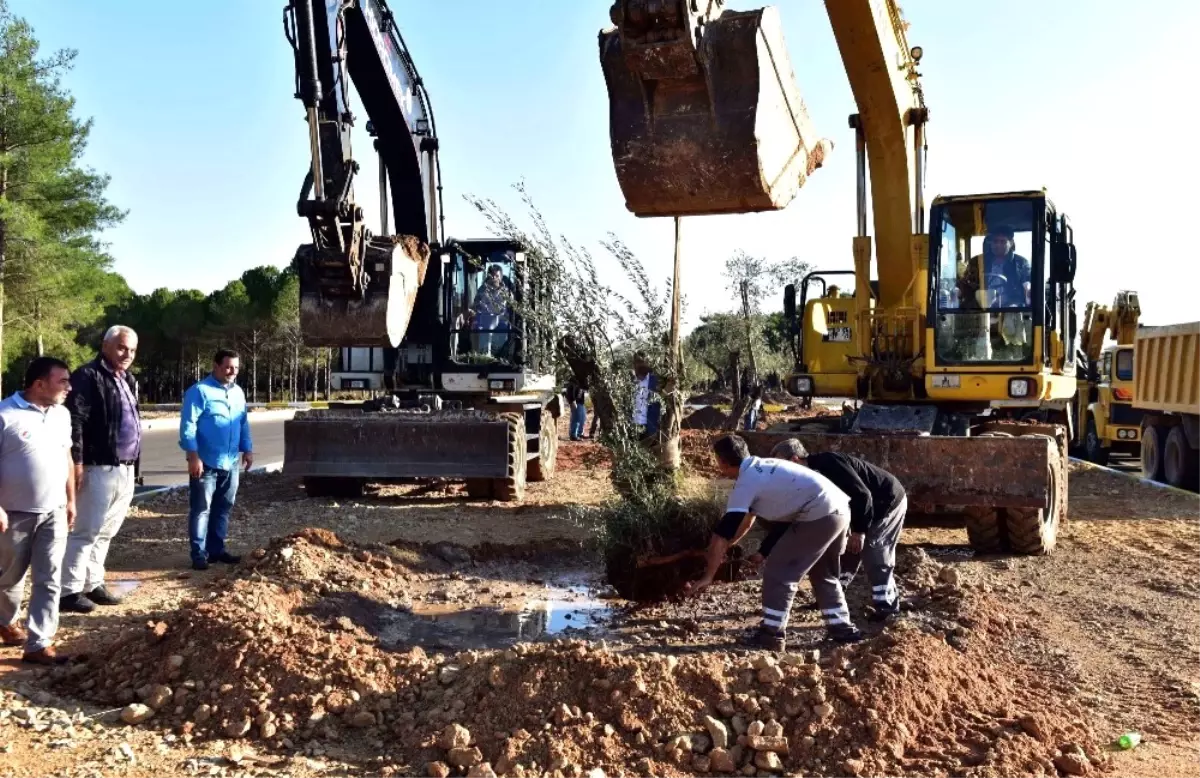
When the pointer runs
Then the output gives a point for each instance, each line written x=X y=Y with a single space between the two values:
x=37 y=505
x=214 y=430
x=577 y=400
x=106 y=444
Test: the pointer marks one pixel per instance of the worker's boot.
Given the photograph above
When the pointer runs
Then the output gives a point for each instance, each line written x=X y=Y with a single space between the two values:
x=765 y=639
x=884 y=613
x=843 y=633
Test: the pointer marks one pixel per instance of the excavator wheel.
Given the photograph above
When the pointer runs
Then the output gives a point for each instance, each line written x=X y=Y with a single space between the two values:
x=983 y=529
x=1035 y=530
x=542 y=468
x=1092 y=448
x=512 y=487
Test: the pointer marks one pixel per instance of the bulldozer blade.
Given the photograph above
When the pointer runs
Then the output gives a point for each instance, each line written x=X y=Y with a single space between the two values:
x=721 y=129
x=347 y=443
x=1001 y=472
x=334 y=314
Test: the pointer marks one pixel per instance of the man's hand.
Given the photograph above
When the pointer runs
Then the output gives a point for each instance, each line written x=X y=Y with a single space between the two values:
x=3 y=521
x=854 y=544
x=195 y=466
x=247 y=460
x=71 y=513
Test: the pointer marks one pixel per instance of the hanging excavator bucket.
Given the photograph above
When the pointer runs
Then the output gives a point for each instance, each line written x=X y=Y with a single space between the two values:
x=704 y=113
x=366 y=304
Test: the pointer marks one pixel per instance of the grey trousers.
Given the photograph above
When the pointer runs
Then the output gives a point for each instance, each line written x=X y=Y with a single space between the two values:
x=879 y=556
x=33 y=540
x=810 y=548
x=101 y=505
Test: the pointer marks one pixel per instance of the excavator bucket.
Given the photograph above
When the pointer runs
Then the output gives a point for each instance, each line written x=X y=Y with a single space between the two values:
x=704 y=113
x=368 y=304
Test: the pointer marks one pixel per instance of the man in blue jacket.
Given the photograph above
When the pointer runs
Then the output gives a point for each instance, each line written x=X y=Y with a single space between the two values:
x=214 y=430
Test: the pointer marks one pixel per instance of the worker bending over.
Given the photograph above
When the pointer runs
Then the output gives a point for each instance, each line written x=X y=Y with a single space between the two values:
x=878 y=504
x=815 y=515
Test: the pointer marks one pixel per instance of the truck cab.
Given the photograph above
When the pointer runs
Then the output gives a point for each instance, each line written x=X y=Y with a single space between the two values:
x=1107 y=421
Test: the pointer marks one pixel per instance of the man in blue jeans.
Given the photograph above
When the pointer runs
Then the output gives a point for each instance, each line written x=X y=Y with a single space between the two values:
x=214 y=430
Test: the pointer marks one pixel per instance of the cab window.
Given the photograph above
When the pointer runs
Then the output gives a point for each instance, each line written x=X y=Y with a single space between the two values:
x=1125 y=365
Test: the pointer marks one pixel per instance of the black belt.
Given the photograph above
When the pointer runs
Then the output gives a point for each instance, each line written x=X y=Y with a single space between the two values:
x=127 y=462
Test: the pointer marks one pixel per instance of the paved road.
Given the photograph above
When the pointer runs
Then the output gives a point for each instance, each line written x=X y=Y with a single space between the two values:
x=162 y=459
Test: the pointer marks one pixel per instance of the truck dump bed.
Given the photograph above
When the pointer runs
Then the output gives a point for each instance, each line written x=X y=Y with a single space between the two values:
x=1167 y=368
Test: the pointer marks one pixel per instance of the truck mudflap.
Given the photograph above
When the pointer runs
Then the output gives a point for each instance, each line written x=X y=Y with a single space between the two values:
x=1009 y=482
x=351 y=443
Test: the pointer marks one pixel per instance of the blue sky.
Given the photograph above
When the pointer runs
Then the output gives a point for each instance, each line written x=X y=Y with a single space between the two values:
x=196 y=123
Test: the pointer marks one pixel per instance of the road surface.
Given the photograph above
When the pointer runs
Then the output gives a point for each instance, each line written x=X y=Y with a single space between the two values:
x=163 y=463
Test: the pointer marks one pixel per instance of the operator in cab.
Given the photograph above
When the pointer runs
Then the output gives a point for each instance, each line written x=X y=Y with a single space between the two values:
x=814 y=515
x=1006 y=275
x=490 y=310
x=878 y=505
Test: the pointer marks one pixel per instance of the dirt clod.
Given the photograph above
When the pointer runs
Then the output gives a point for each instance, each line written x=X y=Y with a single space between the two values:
x=136 y=713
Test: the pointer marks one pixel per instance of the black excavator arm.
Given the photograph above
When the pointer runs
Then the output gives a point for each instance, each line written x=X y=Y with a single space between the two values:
x=357 y=288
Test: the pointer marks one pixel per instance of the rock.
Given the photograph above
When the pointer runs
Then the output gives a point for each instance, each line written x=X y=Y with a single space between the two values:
x=773 y=729
x=464 y=757
x=437 y=770
x=362 y=719
x=136 y=713
x=740 y=724
x=1033 y=727
x=770 y=675
x=203 y=713
x=454 y=736
x=174 y=662
x=726 y=707
x=756 y=728
x=700 y=764
x=286 y=553
x=720 y=761
x=451 y=554
x=700 y=743
x=750 y=771
x=853 y=766
x=778 y=745
x=596 y=772
x=158 y=696
x=1072 y=764
x=267 y=730
x=762 y=662
x=823 y=710
x=950 y=577
x=563 y=714
x=495 y=676
x=482 y=770
x=238 y=727
x=448 y=674
x=717 y=731
x=769 y=761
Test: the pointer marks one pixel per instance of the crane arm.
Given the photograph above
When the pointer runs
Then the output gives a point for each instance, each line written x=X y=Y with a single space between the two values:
x=882 y=72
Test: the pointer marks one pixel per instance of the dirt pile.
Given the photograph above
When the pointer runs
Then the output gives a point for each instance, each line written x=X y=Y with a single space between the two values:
x=280 y=654
x=706 y=418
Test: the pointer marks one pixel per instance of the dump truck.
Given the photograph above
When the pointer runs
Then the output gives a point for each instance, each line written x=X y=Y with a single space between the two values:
x=957 y=347
x=1104 y=420
x=464 y=323
x=1167 y=394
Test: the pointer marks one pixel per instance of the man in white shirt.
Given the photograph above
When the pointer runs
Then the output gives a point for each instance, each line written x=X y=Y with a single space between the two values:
x=819 y=514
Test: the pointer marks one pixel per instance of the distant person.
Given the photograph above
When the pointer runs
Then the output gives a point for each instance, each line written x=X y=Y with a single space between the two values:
x=214 y=430
x=106 y=445
x=37 y=505
x=646 y=414
x=878 y=505
x=577 y=401
x=811 y=515
x=754 y=409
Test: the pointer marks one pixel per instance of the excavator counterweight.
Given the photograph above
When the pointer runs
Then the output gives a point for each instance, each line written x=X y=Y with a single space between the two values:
x=704 y=113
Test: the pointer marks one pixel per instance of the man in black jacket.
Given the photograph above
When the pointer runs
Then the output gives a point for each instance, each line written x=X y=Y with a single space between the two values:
x=878 y=504
x=106 y=443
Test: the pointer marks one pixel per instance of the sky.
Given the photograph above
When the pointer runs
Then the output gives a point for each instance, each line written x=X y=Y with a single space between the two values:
x=195 y=121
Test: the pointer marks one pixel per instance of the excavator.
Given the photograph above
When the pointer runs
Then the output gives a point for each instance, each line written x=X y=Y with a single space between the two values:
x=1105 y=421
x=954 y=353
x=472 y=391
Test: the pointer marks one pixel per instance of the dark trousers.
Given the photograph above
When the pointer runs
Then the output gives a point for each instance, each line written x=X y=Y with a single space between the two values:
x=211 y=499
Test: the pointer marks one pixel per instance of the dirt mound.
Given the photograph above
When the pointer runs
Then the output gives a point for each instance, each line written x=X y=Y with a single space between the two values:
x=706 y=418
x=581 y=455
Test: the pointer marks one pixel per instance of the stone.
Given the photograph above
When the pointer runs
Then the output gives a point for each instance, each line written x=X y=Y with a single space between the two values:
x=203 y=713
x=700 y=743
x=238 y=727
x=174 y=662
x=762 y=662
x=1033 y=727
x=777 y=745
x=750 y=771
x=464 y=757
x=717 y=731
x=454 y=736
x=448 y=674
x=950 y=577
x=158 y=696
x=700 y=764
x=267 y=730
x=563 y=714
x=1072 y=764
x=595 y=772
x=136 y=713
x=720 y=761
x=769 y=761
x=773 y=729
x=495 y=676
x=362 y=719
x=770 y=675
x=756 y=728
x=437 y=770
x=726 y=707
x=740 y=724
x=853 y=766
x=482 y=770
x=823 y=710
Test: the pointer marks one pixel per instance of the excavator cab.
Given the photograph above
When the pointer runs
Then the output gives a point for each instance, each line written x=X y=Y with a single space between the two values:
x=704 y=113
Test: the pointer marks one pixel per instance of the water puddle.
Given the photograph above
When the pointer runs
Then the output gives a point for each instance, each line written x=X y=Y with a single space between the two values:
x=564 y=611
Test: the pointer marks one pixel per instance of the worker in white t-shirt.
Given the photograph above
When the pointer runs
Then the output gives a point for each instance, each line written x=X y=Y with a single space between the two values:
x=819 y=514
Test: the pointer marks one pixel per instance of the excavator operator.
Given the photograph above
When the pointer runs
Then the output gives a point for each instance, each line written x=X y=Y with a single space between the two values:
x=1006 y=274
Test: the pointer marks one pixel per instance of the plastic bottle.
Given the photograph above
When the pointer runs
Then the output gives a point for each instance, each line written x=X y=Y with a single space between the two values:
x=1129 y=740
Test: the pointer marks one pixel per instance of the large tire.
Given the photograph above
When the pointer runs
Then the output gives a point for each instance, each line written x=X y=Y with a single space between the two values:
x=983 y=529
x=1179 y=460
x=542 y=468
x=1092 y=448
x=511 y=488
x=1152 y=453
x=1034 y=531
x=326 y=486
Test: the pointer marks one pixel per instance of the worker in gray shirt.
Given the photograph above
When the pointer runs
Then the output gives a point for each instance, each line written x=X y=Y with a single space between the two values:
x=37 y=505
x=817 y=514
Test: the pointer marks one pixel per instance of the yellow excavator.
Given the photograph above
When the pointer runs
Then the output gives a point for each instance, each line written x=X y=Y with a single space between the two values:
x=956 y=349
x=1105 y=421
